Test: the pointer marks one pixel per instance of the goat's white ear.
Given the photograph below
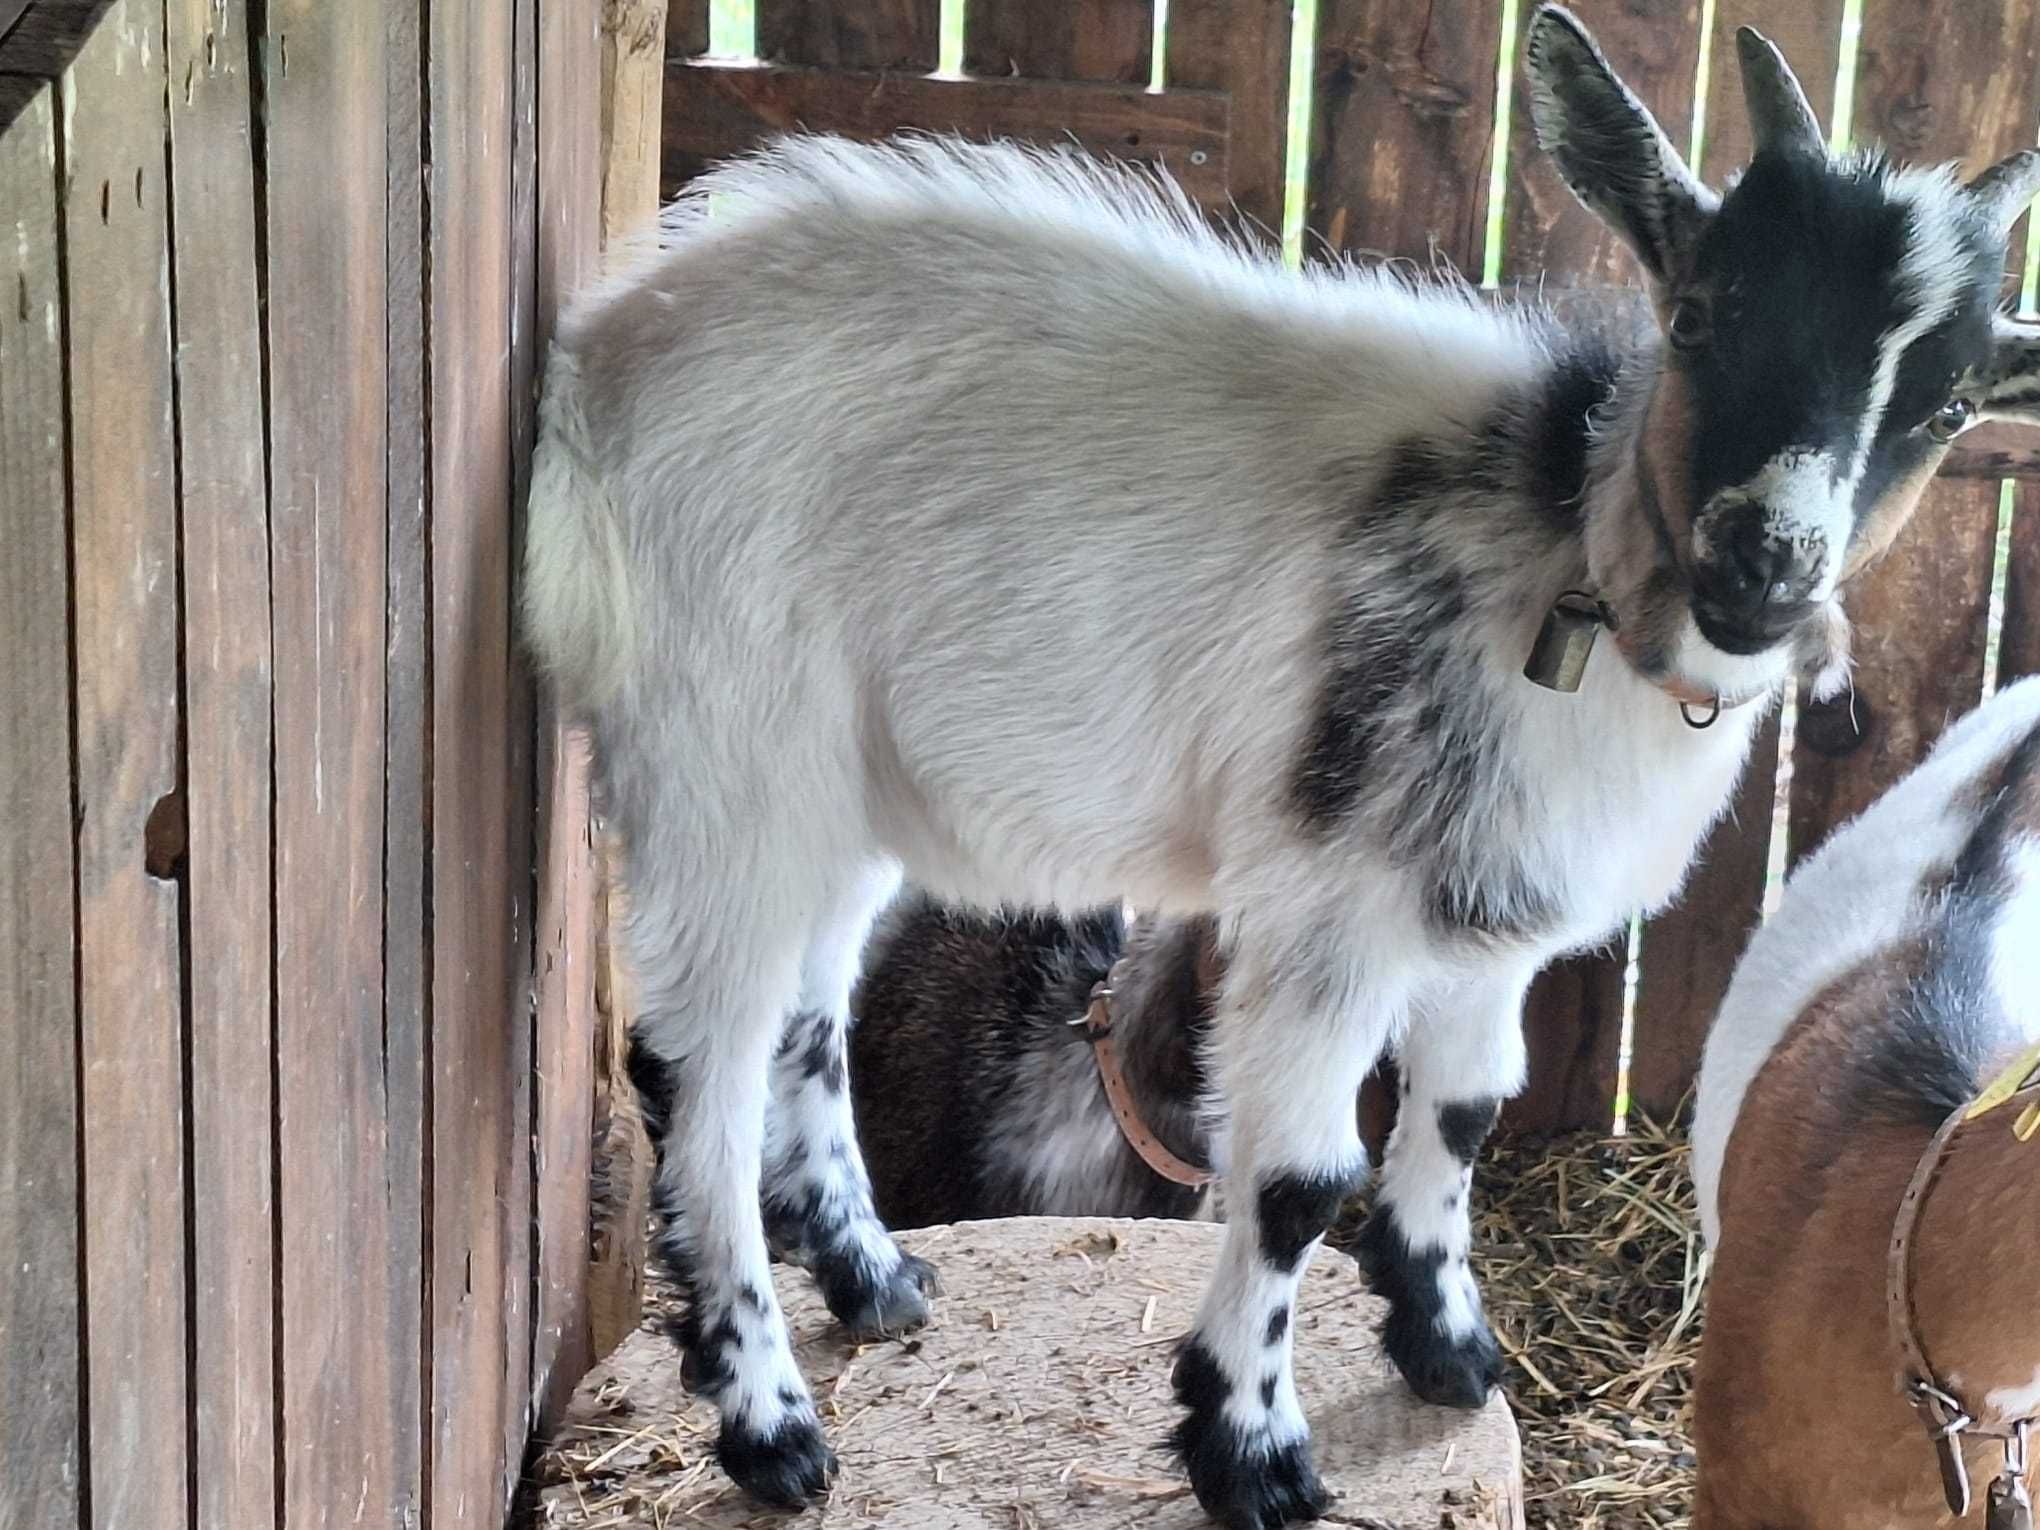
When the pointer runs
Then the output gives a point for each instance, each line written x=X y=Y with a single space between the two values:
x=2004 y=190
x=1780 y=117
x=2012 y=392
x=1609 y=149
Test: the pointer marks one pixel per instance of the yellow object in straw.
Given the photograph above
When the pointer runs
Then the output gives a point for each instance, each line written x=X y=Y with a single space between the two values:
x=2022 y=1074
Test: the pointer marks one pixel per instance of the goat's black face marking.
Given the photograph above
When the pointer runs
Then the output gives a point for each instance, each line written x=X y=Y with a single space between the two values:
x=1464 y=1125
x=1292 y=1212
x=1845 y=304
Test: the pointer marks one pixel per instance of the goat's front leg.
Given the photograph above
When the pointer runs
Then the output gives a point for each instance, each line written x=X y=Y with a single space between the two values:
x=1290 y=1064
x=1461 y=1058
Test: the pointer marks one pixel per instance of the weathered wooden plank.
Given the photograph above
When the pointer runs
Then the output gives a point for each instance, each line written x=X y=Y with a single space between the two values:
x=2019 y=636
x=634 y=44
x=130 y=823
x=713 y=111
x=1935 y=80
x=569 y=174
x=1053 y=40
x=322 y=79
x=1403 y=130
x=851 y=34
x=481 y=864
x=407 y=646
x=1690 y=951
x=1655 y=47
x=1572 y=1030
x=226 y=677
x=41 y=1440
x=1240 y=47
x=10 y=12
x=47 y=36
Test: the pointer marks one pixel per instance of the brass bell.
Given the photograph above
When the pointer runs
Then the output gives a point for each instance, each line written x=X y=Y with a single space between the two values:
x=1558 y=659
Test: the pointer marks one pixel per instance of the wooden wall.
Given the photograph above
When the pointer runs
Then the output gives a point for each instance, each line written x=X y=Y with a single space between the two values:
x=1400 y=150
x=294 y=1057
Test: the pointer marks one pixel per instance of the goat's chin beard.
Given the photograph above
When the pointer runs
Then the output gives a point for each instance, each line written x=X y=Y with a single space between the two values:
x=1817 y=653
x=1821 y=652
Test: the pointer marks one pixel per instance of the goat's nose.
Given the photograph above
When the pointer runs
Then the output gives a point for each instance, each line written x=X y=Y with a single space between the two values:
x=1759 y=568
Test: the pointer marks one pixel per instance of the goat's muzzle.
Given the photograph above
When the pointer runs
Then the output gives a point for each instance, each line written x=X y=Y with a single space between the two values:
x=1752 y=588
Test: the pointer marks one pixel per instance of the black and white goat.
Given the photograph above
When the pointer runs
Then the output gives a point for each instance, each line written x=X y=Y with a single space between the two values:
x=978 y=511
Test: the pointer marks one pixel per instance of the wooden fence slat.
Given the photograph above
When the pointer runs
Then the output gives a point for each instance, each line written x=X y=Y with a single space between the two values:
x=711 y=112
x=1055 y=40
x=124 y=611
x=227 y=690
x=41 y=1439
x=481 y=857
x=1935 y=80
x=569 y=172
x=343 y=1396
x=1403 y=130
x=2019 y=636
x=635 y=43
x=851 y=34
x=1690 y=951
x=1240 y=47
x=407 y=655
x=1572 y=1019
x=1655 y=47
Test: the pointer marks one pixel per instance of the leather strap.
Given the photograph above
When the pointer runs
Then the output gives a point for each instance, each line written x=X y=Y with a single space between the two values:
x=1098 y=1029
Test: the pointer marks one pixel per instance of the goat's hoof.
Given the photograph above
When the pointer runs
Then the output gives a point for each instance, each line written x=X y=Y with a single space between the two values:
x=1445 y=1371
x=787 y=1466
x=1244 y=1478
x=879 y=1309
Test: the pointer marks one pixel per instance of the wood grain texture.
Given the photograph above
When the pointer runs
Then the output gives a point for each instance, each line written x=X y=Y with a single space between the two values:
x=227 y=690
x=323 y=79
x=1403 y=130
x=1240 y=47
x=407 y=767
x=124 y=563
x=634 y=44
x=1054 y=40
x=1655 y=48
x=712 y=112
x=480 y=852
x=1919 y=641
x=1936 y=81
x=851 y=34
x=2019 y=637
x=567 y=198
x=41 y=1437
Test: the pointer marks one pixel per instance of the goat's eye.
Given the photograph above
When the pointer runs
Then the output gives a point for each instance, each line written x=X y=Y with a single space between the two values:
x=1950 y=420
x=1690 y=324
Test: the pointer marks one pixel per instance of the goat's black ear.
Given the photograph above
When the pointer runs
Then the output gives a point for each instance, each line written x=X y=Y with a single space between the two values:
x=1781 y=119
x=2012 y=392
x=1609 y=149
x=2004 y=190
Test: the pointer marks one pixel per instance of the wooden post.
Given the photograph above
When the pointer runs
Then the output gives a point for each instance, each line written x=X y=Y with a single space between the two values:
x=634 y=36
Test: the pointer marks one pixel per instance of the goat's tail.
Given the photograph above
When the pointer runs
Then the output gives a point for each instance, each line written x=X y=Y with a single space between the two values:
x=578 y=600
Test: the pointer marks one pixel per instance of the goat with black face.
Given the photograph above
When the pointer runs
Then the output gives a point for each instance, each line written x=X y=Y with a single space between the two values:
x=857 y=556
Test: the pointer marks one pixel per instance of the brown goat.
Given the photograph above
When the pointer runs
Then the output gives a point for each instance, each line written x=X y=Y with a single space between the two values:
x=1900 y=977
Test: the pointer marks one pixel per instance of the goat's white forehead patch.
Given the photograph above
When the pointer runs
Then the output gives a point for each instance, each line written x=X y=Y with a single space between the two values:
x=1932 y=280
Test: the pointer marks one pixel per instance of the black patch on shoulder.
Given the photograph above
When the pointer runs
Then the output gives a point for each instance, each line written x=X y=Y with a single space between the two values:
x=1556 y=433
x=1464 y=1125
x=1278 y=1325
x=1292 y=1211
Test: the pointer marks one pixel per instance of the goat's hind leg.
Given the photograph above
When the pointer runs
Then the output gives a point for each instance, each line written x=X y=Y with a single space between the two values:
x=701 y=1052
x=1289 y=1071
x=817 y=1195
x=1462 y=1057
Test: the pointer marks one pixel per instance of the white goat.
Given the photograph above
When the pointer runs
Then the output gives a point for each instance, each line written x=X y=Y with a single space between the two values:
x=977 y=510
